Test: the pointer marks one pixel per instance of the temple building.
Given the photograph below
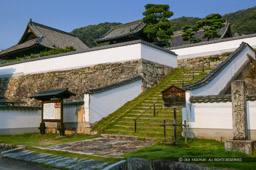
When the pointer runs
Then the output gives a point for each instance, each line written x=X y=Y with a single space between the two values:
x=134 y=31
x=38 y=37
x=125 y=32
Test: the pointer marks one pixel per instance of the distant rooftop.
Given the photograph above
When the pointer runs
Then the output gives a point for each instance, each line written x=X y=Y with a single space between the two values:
x=38 y=37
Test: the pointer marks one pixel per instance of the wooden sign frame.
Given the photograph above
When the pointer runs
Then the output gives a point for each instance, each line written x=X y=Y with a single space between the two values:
x=174 y=97
x=43 y=114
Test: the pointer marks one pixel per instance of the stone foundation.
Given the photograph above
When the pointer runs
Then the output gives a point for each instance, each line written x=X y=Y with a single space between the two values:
x=216 y=134
x=245 y=146
x=20 y=88
x=198 y=62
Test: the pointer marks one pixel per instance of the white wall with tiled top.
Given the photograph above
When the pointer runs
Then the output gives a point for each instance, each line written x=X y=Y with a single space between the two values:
x=123 y=53
x=212 y=48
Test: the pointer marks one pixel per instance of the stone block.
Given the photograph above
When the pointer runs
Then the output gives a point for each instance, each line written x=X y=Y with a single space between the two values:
x=139 y=164
x=171 y=165
x=245 y=146
x=239 y=113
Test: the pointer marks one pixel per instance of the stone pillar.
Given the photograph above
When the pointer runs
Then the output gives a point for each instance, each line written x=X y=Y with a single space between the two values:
x=239 y=112
x=240 y=140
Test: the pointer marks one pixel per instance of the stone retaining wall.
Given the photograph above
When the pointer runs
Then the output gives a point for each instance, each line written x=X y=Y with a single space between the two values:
x=199 y=62
x=20 y=88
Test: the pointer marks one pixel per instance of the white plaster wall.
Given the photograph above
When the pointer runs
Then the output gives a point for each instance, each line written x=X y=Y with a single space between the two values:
x=90 y=58
x=158 y=56
x=69 y=114
x=212 y=49
x=216 y=115
x=87 y=107
x=105 y=103
x=19 y=119
x=222 y=79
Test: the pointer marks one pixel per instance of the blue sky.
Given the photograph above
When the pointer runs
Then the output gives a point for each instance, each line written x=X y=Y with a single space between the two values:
x=70 y=14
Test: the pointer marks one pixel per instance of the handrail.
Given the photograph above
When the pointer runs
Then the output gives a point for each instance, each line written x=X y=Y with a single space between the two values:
x=193 y=77
x=135 y=120
x=193 y=74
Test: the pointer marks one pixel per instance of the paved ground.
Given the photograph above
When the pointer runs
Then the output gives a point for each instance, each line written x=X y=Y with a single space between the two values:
x=54 y=160
x=105 y=147
x=7 y=164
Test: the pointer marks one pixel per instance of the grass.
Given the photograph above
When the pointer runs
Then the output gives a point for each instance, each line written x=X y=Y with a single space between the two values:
x=35 y=139
x=196 y=148
x=122 y=120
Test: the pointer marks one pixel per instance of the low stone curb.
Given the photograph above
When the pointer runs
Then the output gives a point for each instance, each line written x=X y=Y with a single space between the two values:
x=124 y=137
x=121 y=165
x=53 y=160
x=144 y=164
x=11 y=151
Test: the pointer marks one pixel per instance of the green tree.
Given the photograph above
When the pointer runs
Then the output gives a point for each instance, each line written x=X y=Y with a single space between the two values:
x=210 y=25
x=189 y=32
x=158 y=27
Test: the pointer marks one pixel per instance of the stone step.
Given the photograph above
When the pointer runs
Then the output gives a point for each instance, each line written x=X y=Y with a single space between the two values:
x=55 y=161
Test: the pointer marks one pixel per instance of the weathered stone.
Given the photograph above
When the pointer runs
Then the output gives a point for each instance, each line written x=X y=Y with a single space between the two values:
x=20 y=88
x=239 y=113
x=246 y=146
x=139 y=164
x=121 y=165
x=171 y=165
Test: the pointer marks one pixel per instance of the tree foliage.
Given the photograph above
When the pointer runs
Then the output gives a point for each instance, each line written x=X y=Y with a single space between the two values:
x=210 y=25
x=243 y=21
x=189 y=32
x=91 y=33
x=179 y=23
x=158 y=27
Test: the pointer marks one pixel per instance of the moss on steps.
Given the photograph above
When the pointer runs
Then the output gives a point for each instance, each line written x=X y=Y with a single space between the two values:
x=121 y=122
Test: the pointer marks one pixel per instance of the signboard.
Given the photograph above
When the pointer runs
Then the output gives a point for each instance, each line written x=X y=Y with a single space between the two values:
x=174 y=97
x=52 y=110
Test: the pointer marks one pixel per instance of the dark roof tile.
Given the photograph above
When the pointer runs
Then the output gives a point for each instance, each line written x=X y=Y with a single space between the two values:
x=123 y=30
x=218 y=98
x=211 y=75
x=112 y=86
x=64 y=93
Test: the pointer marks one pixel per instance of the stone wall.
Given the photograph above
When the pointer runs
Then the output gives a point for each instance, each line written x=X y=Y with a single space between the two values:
x=20 y=88
x=199 y=62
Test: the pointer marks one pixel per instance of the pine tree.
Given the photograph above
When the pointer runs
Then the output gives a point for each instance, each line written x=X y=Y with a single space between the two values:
x=189 y=32
x=210 y=25
x=158 y=27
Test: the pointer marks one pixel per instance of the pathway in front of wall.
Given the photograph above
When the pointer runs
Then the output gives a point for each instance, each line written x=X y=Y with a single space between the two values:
x=54 y=160
x=106 y=146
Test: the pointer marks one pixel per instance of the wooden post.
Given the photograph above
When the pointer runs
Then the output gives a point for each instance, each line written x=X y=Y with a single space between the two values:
x=174 y=126
x=164 y=132
x=154 y=109
x=193 y=75
x=42 y=124
x=185 y=122
x=135 y=125
x=62 y=127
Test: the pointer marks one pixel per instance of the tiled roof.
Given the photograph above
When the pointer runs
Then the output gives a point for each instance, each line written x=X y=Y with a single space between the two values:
x=213 y=41
x=37 y=108
x=177 y=39
x=56 y=38
x=123 y=30
x=112 y=86
x=19 y=108
x=218 y=98
x=46 y=37
x=25 y=45
x=64 y=93
x=211 y=75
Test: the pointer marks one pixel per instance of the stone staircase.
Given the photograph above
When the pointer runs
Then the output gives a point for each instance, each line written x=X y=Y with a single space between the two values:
x=148 y=125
